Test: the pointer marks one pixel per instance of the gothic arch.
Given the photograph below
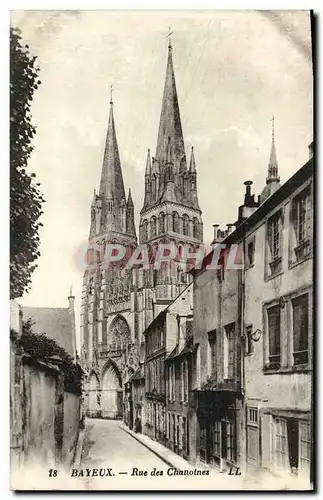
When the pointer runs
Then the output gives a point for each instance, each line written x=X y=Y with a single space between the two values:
x=119 y=331
x=111 y=390
x=186 y=222
x=196 y=228
x=153 y=226
x=161 y=223
x=175 y=222
x=145 y=230
x=93 y=389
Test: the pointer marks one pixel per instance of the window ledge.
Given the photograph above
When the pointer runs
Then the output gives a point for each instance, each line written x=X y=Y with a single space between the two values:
x=250 y=266
x=294 y=263
x=267 y=370
x=269 y=277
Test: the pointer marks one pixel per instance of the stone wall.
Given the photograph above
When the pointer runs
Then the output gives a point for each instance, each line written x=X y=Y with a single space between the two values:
x=39 y=415
x=72 y=415
x=44 y=419
x=51 y=417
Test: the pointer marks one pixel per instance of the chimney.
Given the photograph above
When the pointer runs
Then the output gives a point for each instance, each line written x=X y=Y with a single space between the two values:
x=215 y=234
x=230 y=228
x=248 y=198
x=71 y=301
x=249 y=206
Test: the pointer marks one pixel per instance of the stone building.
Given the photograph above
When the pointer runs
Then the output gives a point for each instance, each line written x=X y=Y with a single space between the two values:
x=118 y=303
x=278 y=318
x=178 y=373
x=254 y=329
x=163 y=337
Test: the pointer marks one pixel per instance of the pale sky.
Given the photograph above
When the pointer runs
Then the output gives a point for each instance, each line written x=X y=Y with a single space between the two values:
x=233 y=70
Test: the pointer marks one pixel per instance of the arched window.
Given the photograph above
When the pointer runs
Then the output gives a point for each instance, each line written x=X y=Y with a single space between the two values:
x=175 y=227
x=185 y=225
x=145 y=230
x=153 y=184
x=153 y=226
x=196 y=229
x=161 y=223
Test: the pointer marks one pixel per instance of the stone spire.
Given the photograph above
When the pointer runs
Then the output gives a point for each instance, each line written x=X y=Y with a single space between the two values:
x=192 y=188
x=273 y=165
x=130 y=218
x=111 y=186
x=192 y=162
x=148 y=164
x=272 y=179
x=170 y=121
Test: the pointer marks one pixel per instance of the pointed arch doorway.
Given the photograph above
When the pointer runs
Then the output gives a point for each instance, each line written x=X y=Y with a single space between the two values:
x=94 y=387
x=111 y=393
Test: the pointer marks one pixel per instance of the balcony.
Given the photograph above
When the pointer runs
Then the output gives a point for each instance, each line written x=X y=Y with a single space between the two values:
x=222 y=385
x=114 y=350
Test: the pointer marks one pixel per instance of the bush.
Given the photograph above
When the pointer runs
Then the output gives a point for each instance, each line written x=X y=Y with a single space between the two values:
x=45 y=349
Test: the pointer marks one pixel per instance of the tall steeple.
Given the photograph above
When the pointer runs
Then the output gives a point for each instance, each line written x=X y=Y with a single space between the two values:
x=109 y=210
x=273 y=165
x=170 y=121
x=272 y=179
x=112 y=186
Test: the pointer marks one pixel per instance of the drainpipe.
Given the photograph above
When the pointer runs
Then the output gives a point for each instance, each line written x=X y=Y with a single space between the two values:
x=243 y=349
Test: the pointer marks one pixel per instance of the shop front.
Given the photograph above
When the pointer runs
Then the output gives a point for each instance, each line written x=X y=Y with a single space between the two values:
x=218 y=417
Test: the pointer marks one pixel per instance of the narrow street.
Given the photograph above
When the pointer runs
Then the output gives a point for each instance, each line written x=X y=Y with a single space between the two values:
x=107 y=446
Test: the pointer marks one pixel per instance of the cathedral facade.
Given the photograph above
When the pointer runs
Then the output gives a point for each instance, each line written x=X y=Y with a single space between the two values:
x=119 y=302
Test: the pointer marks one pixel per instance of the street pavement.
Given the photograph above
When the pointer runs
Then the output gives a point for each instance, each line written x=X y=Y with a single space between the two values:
x=107 y=446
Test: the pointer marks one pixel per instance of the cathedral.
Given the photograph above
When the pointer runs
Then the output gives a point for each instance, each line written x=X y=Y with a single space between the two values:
x=118 y=303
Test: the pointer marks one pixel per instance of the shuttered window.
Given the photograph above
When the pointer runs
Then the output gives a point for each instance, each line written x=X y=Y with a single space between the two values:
x=300 y=329
x=304 y=447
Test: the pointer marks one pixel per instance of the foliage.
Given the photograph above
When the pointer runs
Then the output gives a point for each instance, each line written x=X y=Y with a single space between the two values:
x=25 y=197
x=43 y=348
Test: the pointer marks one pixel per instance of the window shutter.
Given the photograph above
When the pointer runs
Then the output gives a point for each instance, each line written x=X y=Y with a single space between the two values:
x=266 y=441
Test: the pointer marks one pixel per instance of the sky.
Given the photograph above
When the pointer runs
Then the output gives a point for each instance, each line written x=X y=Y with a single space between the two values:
x=234 y=70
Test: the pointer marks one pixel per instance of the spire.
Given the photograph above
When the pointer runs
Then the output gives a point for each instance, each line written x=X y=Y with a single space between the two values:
x=148 y=164
x=272 y=180
x=170 y=121
x=273 y=165
x=129 y=200
x=130 y=217
x=192 y=162
x=94 y=198
x=111 y=186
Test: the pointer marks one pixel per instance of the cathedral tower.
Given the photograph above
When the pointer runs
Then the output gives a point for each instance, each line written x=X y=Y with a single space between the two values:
x=171 y=212
x=107 y=304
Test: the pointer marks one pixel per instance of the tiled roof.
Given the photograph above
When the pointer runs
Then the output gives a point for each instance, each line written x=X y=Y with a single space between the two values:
x=55 y=322
x=187 y=349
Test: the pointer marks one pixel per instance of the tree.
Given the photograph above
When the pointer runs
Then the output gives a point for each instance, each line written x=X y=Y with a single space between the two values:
x=25 y=197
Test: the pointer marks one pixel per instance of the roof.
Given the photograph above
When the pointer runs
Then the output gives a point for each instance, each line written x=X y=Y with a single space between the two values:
x=301 y=176
x=138 y=375
x=188 y=348
x=56 y=322
x=162 y=313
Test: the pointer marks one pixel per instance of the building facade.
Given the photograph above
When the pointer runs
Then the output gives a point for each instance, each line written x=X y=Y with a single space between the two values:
x=278 y=317
x=119 y=302
x=163 y=338
x=253 y=325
